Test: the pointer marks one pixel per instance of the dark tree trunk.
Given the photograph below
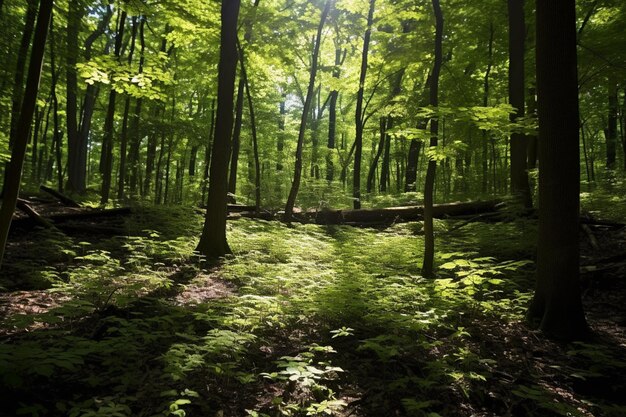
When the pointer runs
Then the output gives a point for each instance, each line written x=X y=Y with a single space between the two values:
x=557 y=306
x=18 y=152
x=124 y=136
x=360 y=116
x=611 y=130
x=74 y=181
x=412 y=162
x=107 y=140
x=57 y=136
x=485 y=144
x=91 y=94
x=532 y=140
x=520 y=187
x=297 y=176
x=213 y=243
x=18 y=80
x=280 y=142
x=332 y=115
x=207 y=152
x=255 y=145
x=135 y=143
x=385 y=172
x=429 y=236
x=379 y=150
x=236 y=143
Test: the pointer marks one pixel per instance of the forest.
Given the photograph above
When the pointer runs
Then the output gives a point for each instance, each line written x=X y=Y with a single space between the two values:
x=365 y=208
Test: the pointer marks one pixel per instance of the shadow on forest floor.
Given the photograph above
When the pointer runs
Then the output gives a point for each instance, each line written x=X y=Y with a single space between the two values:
x=303 y=320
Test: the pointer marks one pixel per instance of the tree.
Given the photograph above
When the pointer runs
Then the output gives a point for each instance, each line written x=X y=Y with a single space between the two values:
x=106 y=167
x=297 y=176
x=520 y=187
x=360 y=114
x=14 y=169
x=213 y=243
x=429 y=236
x=556 y=305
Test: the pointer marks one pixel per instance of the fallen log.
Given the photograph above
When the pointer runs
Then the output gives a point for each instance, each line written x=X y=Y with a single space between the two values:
x=62 y=198
x=89 y=214
x=32 y=213
x=391 y=215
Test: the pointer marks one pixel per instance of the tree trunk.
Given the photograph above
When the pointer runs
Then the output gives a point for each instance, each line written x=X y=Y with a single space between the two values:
x=611 y=130
x=297 y=176
x=280 y=141
x=135 y=143
x=556 y=304
x=236 y=143
x=107 y=140
x=255 y=145
x=18 y=152
x=485 y=144
x=213 y=243
x=429 y=236
x=124 y=137
x=332 y=115
x=207 y=152
x=385 y=172
x=379 y=151
x=360 y=116
x=532 y=140
x=520 y=187
x=75 y=15
x=18 y=81
x=57 y=137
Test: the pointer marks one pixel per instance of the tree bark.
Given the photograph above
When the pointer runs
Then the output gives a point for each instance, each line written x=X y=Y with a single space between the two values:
x=557 y=305
x=611 y=130
x=124 y=136
x=107 y=140
x=18 y=152
x=429 y=236
x=520 y=187
x=360 y=116
x=297 y=176
x=213 y=243
x=75 y=15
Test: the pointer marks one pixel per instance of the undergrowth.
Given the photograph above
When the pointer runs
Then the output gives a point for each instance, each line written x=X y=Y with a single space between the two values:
x=325 y=320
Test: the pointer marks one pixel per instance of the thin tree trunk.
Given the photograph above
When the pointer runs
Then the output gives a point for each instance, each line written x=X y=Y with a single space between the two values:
x=520 y=187
x=75 y=14
x=295 y=185
x=207 y=152
x=340 y=56
x=124 y=136
x=280 y=141
x=18 y=81
x=360 y=116
x=18 y=152
x=255 y=145
x=107 y=140
x=385 y=173
x=135 y=143
x=429 y=236
x=611 y=131
x=213 y=243
x=58 y=134
x=379 y=151
x=236 y=143
x=485 y=144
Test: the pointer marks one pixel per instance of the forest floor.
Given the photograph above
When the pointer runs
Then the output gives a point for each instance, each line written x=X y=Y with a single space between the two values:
x=302 y=320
